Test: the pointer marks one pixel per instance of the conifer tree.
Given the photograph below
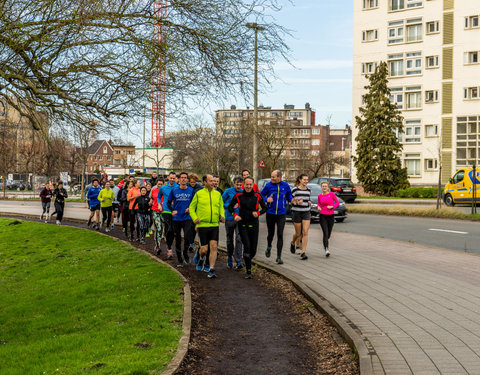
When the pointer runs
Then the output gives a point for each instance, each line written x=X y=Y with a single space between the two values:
x=377 y=159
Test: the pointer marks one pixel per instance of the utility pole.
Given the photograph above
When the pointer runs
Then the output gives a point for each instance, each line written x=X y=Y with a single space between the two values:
x=255 y=27
x=143 y=146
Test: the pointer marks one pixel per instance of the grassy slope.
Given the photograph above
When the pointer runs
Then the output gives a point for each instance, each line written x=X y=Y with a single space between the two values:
x=71 y=299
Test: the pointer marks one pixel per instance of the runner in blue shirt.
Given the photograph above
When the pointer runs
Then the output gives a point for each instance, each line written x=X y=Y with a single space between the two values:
x=94 y=203
x=164 y=193
x=178 y=202
x=234 y=241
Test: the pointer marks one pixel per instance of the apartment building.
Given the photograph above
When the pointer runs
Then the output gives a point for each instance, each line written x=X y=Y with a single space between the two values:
x=296 y=143
x=432 y=48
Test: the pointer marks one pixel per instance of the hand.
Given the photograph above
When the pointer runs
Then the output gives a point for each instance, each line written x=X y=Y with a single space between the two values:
x=187 y=210
x=329 y=207
x=197 y=221
x=174 y=213
x=300 y=201
x=237 y=218
x=222 y=219
x=270 y=199
x=255 y=214
x=236 y=206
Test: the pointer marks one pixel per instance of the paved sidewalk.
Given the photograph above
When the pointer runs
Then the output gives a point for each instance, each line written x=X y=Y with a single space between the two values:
x=416 y=309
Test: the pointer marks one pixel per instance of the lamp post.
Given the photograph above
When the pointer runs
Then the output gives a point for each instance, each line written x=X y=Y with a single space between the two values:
x=255 y=27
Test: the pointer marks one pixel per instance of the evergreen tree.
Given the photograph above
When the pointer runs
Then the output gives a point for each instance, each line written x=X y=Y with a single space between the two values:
x=378 y=163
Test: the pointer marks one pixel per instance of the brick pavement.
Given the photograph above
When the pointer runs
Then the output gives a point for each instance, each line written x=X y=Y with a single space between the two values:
x=416 y=309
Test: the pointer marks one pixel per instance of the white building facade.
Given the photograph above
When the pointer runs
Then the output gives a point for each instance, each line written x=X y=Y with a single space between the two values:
x=432 y=48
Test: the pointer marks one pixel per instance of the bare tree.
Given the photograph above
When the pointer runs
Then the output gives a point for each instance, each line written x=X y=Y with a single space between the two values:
x=273 y=142
x=324 y=163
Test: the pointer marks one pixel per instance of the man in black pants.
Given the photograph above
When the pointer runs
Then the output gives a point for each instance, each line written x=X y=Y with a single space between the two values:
x=276 y=193
x=250 y=205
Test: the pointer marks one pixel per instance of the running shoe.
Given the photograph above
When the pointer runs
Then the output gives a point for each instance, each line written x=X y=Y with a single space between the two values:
x=206 y=268
x=57 y=222
x=230 y=262
x=150 y=233
x=180 y=265
x=41 y=217
x=107 y=230
x=147 y=235
x=248 y=275
x=279 y=260
x=268 y=251
x=303 y=256
x=211 y=274
x=142 y=241
x=158 y=250
x=169 y=254
x=327 y=252
x=200 y=264
x=292 y=248
x=112 y=227
x=196 y=257
x=186 y=257
x=239 y=266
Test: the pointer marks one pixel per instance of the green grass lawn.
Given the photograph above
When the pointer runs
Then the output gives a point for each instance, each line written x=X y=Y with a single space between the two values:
x=76 y=302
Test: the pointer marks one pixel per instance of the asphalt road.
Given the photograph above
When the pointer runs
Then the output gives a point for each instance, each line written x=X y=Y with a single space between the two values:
x=451 y=234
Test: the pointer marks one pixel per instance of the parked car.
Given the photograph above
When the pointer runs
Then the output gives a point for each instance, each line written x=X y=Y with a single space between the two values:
x=342 y=187
x=460 y=187
x=340 y=211
x=16 y=185
x=261 y=183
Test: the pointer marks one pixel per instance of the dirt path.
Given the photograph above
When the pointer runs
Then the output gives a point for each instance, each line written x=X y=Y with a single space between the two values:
x=259 y=326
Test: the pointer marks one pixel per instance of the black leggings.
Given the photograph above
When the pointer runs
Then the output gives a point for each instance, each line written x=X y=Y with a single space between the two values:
x=59 y=207
x=125 y=218
x=133 y=215
x=178 y=226
x=279 y=220
x=326 y=223
x=107 y=215
x=249 y=235
x=168 y=229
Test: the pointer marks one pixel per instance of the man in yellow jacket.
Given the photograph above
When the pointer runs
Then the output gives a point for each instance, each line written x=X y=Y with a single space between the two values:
x=106 y=198
x=206 y=211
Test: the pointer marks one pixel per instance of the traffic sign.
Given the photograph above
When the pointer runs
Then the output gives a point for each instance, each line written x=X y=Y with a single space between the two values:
x=261 y=164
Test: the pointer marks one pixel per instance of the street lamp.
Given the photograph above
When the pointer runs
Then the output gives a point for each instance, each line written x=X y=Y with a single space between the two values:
x=256 y=27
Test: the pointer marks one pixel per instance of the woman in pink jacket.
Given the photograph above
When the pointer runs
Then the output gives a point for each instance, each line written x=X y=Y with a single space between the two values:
x=327 y=202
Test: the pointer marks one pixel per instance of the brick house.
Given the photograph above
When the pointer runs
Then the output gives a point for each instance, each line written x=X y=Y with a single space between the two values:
x=100 y=155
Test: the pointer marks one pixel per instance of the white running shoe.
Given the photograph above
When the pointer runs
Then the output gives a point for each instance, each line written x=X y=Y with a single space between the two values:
x=41 y=217
x=327 y=253
x=57 y=222
x=107 y=230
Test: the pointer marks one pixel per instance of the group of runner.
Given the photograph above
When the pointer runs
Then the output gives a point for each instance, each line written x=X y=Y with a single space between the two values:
x=177 y=205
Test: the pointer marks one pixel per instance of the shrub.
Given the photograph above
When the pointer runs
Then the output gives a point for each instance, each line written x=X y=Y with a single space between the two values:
x=418 y=192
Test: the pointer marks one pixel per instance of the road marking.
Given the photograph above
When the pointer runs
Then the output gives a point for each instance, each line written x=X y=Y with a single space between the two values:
x=448 y=231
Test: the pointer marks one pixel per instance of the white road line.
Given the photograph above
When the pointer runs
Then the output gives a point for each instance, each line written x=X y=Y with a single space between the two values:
x=448 y=231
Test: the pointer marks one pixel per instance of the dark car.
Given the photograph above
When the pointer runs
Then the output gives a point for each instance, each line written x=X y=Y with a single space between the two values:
x=340 y=211
x=342 y=187
x=16 y=185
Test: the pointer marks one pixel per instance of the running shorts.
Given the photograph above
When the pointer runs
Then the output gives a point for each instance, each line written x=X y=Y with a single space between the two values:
x=95 y=208
x=299 y=216
x=116 y=207
x=208 y=234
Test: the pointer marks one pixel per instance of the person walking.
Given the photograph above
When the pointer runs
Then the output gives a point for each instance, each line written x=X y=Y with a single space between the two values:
x=301 y=214
x=250 y=206
x=60 y=195
x=234 y=240
x=106 y=198
x=143 y=204
x=178 y=203
x=206 y=210
x=164 y=193
x=327 y=202
x=196 y=186
x=157 y=216
x=276 y=193
x=46 y=198
x=94 y=204
x=132 y=195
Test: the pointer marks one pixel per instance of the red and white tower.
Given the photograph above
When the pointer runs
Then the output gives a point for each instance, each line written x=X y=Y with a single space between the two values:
x=158 y=86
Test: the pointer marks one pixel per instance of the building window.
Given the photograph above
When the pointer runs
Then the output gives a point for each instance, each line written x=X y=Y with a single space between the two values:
x=468 y=142
x=413 y=131
x=294 y=114
x=396 y=96
x=431 y=96
x=276 y=114
x=431 y=130
x=116 y=152
x=471 y=57
x=471 y=93
x=396 y=65
x=414 y=30
x=433 y=27
x=370 y=4
x=413 y=96
x=369 y=68
x=369 y=35
x=395 y=32
x=412 y=163
x=471 y=22
x=413 y=63
x=315 y=142
x=316 y=131
x=432 y=62
x=394 y=5
x=104 y=149
x=292 y=152
x=109 y=158
x=431 y=164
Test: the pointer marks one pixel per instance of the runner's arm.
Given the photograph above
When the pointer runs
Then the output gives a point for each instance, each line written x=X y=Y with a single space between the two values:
x=263 y=206
x=170 y=201
x=231 y=206
x=193 y=208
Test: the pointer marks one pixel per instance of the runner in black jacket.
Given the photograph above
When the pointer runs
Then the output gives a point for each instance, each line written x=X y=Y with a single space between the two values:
x=144 y=203
x=60 y=194
x=250 y=206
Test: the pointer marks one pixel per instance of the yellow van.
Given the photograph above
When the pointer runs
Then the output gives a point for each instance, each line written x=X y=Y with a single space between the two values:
x=460 y=187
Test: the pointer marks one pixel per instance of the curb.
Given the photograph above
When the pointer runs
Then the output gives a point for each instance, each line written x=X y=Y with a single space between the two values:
x=184 y=341
x=347 y=329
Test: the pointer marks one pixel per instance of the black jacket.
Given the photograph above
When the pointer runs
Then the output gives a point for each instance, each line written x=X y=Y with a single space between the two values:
x=60 y=198
x=248 y=203
x=122 y=198
x=143 y=202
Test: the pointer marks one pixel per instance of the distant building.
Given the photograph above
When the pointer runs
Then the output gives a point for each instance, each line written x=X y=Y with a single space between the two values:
x=100 y=155
x=433 y=55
